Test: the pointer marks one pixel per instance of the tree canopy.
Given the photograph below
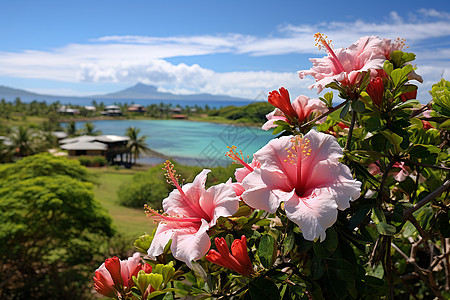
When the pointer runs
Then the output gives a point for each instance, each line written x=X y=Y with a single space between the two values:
x=52 y=228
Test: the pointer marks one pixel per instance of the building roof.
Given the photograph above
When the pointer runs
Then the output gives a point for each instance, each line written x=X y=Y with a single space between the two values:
x=112 y=107
x=84 y=146
x=109 y=138
x=83 y=138
x=60 y=134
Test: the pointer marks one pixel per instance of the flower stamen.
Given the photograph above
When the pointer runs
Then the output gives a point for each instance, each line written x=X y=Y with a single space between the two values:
x=297 y=153
x=321 y=42
x=172 y=178
x=238 y=157
x=160 y=217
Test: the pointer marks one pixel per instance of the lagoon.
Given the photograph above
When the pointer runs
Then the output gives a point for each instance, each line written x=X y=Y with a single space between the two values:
x=189 y=142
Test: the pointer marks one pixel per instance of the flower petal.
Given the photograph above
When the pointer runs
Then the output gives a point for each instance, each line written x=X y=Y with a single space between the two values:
x=313 y=213
x=187 y=246
x=163 y=234
x=219 y=201
x=266 y=189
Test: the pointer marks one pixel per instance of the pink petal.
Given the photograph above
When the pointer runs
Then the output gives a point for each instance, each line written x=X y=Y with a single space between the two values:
x=266 y=189
x=275 y=115
x=336 y=177
x=175 y=204
x=188 y=246
x=219 y=201
x=163 y=234
x=314 y=213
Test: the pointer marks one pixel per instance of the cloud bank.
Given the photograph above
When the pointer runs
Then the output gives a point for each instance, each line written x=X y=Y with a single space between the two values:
x=131 y=59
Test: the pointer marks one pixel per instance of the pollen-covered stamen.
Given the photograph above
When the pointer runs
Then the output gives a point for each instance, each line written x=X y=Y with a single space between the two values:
x=297 y=153
x=172 y=178
x=321 y=42
x=237 y=157
x=160 y=217
x=400 y=43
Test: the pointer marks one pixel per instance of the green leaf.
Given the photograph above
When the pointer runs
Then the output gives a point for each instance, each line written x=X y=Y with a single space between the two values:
x=262 y=288
x=143 y=243
x=266 y=250
x=321 y=250
x=425 y=216
x=385 y=228
x=345 y=110
x=317 y=268
x=289 y=242
x=331 y=241
x=394 y=139
x=388 y=67
x=358 y=106
x=378 y=215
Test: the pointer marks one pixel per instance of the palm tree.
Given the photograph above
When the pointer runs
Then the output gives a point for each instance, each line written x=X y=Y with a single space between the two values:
x=22 y=139
x=136 y=144
x=89 y=129
x=71 y=128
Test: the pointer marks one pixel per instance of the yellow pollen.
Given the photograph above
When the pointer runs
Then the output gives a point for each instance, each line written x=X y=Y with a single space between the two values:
x=322 y=40
x=400 y=43
x=171 y=174
x=235 y=155
x=299 y=149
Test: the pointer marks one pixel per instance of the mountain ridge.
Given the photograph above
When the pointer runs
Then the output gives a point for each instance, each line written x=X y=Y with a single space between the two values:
x=137 y=91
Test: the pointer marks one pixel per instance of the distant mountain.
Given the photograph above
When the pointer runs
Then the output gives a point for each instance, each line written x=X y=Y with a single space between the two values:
x=138 y=91
x=143 y=91
x=7 y=91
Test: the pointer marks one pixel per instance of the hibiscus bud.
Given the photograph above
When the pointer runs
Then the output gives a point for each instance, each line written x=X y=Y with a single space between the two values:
x=113 y=266
x=147 y=268
x=375 y=89
x=282 y=101
x=103 y=284
x=238 y=260
x=426 y=125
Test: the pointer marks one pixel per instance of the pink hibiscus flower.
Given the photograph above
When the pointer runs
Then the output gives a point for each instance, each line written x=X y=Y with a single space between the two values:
x=303 y=108
x=345 y=64
x=189 y=212
x=306 y=175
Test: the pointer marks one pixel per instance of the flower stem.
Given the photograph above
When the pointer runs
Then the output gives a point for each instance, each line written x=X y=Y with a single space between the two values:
x=350 y=131
x=325 y=114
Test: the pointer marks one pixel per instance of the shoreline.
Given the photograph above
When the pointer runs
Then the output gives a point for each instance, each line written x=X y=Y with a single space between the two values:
x=203 y=120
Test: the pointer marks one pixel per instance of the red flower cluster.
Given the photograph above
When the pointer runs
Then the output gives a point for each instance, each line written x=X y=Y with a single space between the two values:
x=115 y=276
x=238 y=260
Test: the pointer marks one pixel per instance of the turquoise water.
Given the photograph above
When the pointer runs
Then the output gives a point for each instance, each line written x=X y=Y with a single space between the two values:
x=193 y=143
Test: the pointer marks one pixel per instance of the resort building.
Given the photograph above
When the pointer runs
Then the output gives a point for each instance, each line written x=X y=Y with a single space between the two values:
x=137 y=108
x=113 y=147
x=111 y=110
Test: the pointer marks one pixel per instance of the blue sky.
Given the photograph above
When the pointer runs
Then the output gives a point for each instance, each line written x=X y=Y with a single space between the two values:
x=238 y=48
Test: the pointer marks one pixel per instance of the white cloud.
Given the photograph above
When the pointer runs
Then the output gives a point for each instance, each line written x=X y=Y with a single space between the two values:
x=129 y=59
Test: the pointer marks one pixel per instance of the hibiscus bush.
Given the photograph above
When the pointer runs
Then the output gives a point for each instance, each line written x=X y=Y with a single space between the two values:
x=348 y=201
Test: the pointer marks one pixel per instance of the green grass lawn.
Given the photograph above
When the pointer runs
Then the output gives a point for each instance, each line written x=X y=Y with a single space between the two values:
x=131 y=222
